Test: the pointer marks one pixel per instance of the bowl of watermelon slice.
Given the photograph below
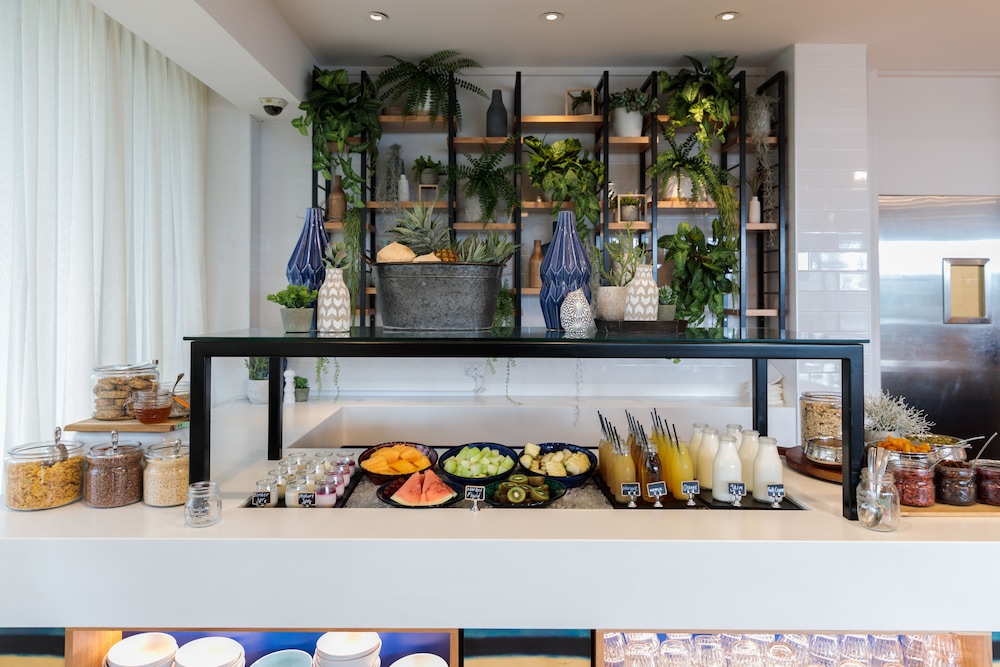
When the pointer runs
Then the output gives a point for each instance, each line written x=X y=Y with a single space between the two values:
x=396 y=460
x=420 y=490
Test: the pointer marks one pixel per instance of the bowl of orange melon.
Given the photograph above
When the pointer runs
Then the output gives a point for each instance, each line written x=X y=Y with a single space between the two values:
x=393 y=460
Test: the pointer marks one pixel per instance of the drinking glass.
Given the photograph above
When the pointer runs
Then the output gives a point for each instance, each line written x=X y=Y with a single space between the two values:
x=824 y=650
x=614 y=649
x=674 y=653
x=745 y=653
x=855 y=648
x=800 y=643
x=728 y=639
x=684 y=638
x=781 y=654
x=708 y=651
x=886 y=650
x=639 y=654
x=913 y=650
x=943 y=649
x=762 y=641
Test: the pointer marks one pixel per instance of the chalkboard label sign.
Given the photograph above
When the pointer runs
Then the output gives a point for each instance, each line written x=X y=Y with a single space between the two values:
x=737 y=489
x=692 y=488
x=630 y=489
x=656 y=489
x=475 y=492
x=261 y=498
x=775 y=490
x=307 y=499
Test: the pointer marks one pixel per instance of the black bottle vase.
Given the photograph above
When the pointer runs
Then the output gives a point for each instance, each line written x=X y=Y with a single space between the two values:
x=496 y=116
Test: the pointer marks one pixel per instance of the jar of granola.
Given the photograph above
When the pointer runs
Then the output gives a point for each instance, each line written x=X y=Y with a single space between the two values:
x=915 y=481
x=115 y=388
x=165 y=478
x=42 y=475
x=820 y=415
x=988 y=481
x=114 y=473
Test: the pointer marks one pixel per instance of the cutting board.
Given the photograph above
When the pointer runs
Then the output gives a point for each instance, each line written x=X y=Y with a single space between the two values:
x=940 y=509
x=126 y=426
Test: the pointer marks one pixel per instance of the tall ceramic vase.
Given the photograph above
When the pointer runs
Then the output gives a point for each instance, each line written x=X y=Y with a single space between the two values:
x=305 y=266
x=333 y=305
x=564 y=269
x=496 y=116
x=641 y=298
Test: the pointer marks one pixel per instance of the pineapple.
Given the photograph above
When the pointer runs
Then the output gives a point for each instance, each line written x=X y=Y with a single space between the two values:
x=447 y=254
x=495 y=248
x=422 y=231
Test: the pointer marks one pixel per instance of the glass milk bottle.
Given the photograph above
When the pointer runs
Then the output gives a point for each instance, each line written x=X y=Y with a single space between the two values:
x=736 y=431
x=748 y=452
x=766 y=468
x=706 y=456
x=725 y=469
x=694 y=445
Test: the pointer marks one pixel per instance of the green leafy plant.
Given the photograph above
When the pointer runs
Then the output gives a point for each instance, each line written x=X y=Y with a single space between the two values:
x=427 y=162
x=335 y=110
x=633 y=99
x=705 y=175
x=257 y=368
x=564 y=170
x=335 y=256
x=630 y=201
x=624 y=254
x=425 y=82
x=581 y=100
x=301 y=382
x=665 y=296
x=487 y=178
x=704 y=97
x=503 y=317
x=493 y=248
x=294 y=296
x=702 y=270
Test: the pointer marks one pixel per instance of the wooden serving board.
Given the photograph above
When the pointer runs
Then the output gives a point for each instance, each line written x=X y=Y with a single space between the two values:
x=126 y=426
x=797 y=461
x=940 y=509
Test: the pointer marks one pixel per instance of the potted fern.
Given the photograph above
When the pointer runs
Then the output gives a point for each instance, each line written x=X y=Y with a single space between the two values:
x=424 y=84
x=630 y=107
x=488 y=182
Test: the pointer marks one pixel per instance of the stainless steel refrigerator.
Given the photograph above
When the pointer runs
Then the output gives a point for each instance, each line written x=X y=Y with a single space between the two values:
x=939 y=267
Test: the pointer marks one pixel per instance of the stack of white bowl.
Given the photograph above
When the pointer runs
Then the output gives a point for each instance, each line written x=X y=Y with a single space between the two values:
x=348 y=649
x=421 y=660
x=147 y=649
x=211 y=652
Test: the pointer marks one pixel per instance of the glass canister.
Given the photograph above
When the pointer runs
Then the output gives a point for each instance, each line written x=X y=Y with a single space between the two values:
x=266 y=493
x=165 y=478
x=878 y=502
x=181 y=409
x=114 y=473
x=988 y=481
x=114 y=388
x=153 y=406
x=821 y=415
x=956 y=483
x=204 y=505
x=42 y=475
x=915 y=481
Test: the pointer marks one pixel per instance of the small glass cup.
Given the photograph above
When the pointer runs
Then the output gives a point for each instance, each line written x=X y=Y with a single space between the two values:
x=886 y=650
x=781 y=654
x=824 y=650
x=204 y=505
x=674 y=653
x=855 y=648
x=266 y=493
x=708 y=651
x=153 y=407
x=640 y=654
x=339 y=483
x=745 y=653
x=614 y=649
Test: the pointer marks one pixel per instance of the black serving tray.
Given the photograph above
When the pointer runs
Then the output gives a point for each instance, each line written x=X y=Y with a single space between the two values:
x=668 y=501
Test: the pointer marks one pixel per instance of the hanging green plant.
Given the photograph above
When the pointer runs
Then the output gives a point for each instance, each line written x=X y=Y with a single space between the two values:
x=424 y=83
x=704 y=97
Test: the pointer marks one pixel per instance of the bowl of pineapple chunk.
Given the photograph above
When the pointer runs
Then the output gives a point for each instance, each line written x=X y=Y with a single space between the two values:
x=570 y=464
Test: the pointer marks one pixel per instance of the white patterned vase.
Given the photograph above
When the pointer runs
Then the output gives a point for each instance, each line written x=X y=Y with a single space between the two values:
x=333 y=305
x=574 y=313
x=641 y=298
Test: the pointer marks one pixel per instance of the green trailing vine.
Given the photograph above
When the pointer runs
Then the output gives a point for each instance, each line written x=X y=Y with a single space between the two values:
x=511 y=362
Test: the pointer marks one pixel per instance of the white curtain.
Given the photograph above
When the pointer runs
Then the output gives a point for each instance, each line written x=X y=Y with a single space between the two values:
x=101 y=206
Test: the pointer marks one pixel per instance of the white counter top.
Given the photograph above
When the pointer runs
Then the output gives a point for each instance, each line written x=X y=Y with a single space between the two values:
x=761 y=570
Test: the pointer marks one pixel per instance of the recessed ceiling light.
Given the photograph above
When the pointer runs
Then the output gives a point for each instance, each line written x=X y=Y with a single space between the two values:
x=728 y=16
x=378 y=16
x=551 y=16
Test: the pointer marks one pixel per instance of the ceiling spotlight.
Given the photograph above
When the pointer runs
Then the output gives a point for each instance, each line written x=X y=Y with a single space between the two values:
x=378 y=16
x=551 y=16
x=727 y=16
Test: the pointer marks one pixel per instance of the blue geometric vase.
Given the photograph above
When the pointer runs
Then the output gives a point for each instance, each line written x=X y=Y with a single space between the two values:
x=564 y=269
x=305 y=266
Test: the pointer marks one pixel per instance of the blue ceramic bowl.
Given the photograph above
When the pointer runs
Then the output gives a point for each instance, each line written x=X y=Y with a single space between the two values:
x=570 y=481
x=477 y=481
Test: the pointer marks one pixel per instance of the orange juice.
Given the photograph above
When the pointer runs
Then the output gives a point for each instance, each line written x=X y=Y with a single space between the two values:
x=683 y=470
x=621 y=470
x=603 y=456
x=651 y=471
x=667 y=454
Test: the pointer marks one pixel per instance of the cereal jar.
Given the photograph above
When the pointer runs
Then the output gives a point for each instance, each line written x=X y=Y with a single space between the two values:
x=821 y=415
x=115 y=388
x=114 y=473
x=43 y=475
x=165 y=478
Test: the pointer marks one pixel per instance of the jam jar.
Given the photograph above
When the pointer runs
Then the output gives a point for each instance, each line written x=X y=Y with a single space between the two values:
x=878 y=502
x=42 y=475
x=915 y=481
x=988 y=482
x=956 y=483
x=114 y=473
x=821 y=415
x=115 y=387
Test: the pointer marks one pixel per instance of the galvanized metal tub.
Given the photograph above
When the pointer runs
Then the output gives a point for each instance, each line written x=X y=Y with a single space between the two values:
x=438 y=296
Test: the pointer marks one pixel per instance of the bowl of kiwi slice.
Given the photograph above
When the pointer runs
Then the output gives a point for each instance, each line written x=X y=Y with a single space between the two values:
x=522 y=490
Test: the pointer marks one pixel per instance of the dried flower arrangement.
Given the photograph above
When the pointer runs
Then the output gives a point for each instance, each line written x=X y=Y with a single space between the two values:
x=884 y=412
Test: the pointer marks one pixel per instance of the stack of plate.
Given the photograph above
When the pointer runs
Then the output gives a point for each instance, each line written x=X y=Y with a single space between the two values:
x=421 y=660
x=211 y=652
x=147 y=649
x=775 y=386
x=348 y=649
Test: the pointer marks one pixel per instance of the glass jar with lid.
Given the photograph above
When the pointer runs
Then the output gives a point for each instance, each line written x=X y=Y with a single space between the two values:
x=956 y=483
x=821 y=415
x=203 y=506
x=878 y=502
x=114 y=388
x=181 y=409
x=988 y=481
x=915 y=481
x=42 y=475
x=165 y=477
x=114 y=473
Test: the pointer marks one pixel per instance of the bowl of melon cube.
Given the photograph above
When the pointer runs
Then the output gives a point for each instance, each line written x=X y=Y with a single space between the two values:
x=478 y=463
x=392 y=460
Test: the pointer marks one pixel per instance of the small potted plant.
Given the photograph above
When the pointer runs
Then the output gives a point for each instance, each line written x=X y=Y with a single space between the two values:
x=624 y=255
x=427 y=170
x=301 y=389
x=487 y=182
x=257 y=374
x=297 y=307
x=583 y=102
x=564 y=170
x=630 y=107
x=666 y=308
x=424 y=83
x=628 y=208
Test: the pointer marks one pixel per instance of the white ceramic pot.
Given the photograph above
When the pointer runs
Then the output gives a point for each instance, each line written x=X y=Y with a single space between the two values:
x=257 y=391
x=627 y=123
x=611 y=303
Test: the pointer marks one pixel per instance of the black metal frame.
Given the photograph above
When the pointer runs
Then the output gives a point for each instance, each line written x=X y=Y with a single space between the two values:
x=525 y=344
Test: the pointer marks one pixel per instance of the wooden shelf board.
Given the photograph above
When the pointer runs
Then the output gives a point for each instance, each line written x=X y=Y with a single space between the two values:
x=470 y=144
x=339 y=227
x=620 y=145
x=762 y=312
x=400 y=123
x=126 y=426
x=493 y=226
x=762 y=226
x=531 y=290
x=685 y=204
x=370 y=290
x=544 y=205
x=637 y=226
x=589 y=122
x=442 y=205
